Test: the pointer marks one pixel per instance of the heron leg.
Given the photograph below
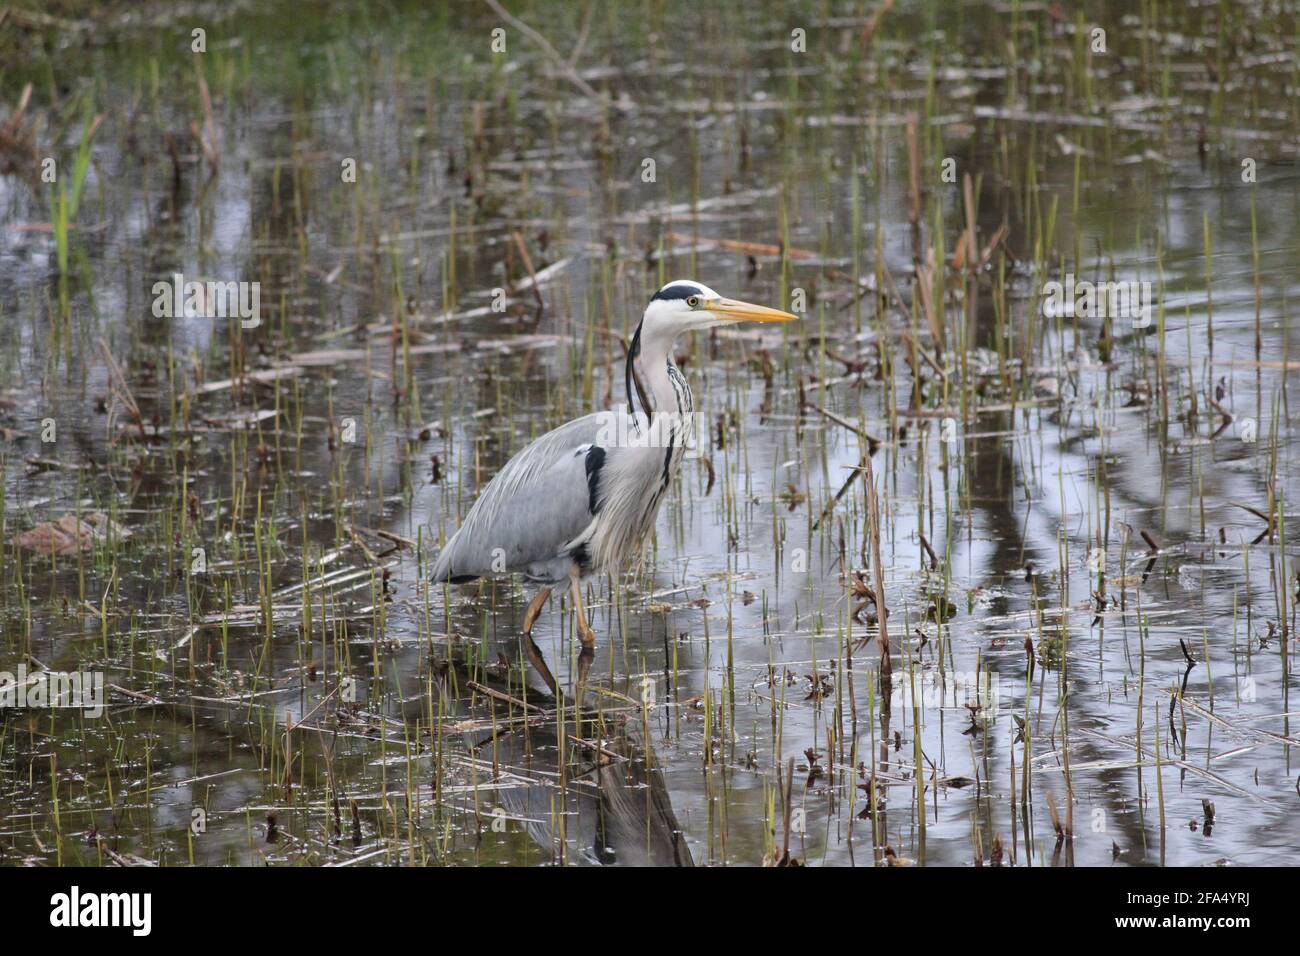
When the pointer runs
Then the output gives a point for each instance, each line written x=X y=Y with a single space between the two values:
x=530 y=646
x=585 y=633
x=535 y=608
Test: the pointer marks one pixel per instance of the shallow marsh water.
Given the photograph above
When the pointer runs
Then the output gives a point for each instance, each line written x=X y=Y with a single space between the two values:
x=300 y=695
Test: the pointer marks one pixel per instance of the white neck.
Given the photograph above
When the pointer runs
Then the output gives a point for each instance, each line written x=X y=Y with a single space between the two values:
x=652 y=358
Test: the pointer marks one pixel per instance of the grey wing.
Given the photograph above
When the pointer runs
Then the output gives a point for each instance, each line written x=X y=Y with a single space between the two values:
x=542 y=500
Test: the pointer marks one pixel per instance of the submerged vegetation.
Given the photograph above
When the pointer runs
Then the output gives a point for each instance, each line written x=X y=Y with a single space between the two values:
x=955 y=577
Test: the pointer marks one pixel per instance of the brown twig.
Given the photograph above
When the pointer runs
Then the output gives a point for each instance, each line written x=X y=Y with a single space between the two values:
x=869 y=31
x=934 y=558
x=118 y=384
x=873 y=442
x=565 y=68
x=532 y=273
x=504 y=698
x=739 y=245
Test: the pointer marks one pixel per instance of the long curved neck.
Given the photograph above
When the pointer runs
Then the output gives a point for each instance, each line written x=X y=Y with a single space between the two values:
x=654 y=383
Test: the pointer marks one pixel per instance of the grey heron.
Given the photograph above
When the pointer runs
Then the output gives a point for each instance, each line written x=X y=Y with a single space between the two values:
x=582 y=498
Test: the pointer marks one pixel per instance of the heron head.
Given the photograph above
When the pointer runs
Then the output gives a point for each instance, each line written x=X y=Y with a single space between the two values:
x=684 y=304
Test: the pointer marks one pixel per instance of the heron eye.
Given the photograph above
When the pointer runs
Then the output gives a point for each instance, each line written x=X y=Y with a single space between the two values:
x=693 y=302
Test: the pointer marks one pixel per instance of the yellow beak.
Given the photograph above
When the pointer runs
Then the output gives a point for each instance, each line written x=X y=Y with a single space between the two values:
x=747 y=312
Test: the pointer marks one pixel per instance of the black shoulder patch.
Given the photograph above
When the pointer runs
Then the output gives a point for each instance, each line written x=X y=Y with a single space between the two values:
x=677 y=290
x=595 y=461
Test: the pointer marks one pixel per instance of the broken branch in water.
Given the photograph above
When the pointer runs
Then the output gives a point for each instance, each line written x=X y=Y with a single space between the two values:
x=119 y=387
x=737 y=245
x=566 y=69
x=873 y=442
x=532 y=273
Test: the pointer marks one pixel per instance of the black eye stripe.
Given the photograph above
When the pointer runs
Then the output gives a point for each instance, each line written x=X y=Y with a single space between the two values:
x=678 y=290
